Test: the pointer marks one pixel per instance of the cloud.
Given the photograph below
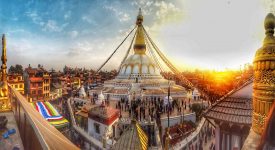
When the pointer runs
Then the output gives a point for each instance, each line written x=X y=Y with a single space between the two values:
x=18 y=31
x=122 y=16
x=149 y=3
x=14 y=18
x=146 y=6
x=67 y=15
x=36 y=19
x=88 y=19
x=49 y=25
x=184 y=30
x=20 y=46
x=52 y=26
x=167 y=12
x=73 y=34
x=80 y=49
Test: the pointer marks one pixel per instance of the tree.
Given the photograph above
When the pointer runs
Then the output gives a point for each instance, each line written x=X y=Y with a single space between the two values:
x=11 y=69
x=18 y=69
x=198 y=109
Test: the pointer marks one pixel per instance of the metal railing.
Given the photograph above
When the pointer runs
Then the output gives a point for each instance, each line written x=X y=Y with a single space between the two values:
x=35 y=131
x=190 y=138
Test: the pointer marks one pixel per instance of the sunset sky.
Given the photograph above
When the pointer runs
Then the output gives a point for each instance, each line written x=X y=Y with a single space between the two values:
x=205 y=34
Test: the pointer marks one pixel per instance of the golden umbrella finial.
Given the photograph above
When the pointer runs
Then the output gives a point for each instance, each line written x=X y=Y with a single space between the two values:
x=269 y=25
x=139 y=45
x=263 y=84
x=139 y=18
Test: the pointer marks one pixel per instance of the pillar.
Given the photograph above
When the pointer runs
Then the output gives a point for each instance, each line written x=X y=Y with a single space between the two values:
x=217 y=138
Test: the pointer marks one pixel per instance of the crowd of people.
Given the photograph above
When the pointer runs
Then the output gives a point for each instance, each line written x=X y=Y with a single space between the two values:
x=151 y=107
x=205 y=139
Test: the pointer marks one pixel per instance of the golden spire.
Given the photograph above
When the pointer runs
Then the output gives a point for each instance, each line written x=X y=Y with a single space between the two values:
x=4 y=59
x=139 y=45
x=139 y=18
x=264 y=77
x=269 y=25
x=4 y=100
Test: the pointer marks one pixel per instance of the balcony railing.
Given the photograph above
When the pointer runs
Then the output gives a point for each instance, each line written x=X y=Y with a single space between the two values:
x=35 y=132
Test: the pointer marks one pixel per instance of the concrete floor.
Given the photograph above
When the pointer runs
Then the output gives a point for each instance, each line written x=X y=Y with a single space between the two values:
x=14 y=140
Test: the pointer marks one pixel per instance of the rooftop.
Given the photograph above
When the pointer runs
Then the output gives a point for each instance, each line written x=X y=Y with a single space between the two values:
x=132 y=139
x=103 y=112
x=36 y=79
x=235 y=107
x=230 y=109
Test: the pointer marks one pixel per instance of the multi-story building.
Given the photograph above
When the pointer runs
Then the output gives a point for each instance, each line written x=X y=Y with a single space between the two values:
x=35 y=92
x=46 y=84
x=16 y=81
x=37 y=84
x=64 y=82
x=56 y=90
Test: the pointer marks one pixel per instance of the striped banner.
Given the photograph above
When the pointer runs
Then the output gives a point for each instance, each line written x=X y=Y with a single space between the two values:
x=48 y=112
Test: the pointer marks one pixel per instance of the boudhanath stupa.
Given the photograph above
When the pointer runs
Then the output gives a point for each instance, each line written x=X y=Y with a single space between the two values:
x=140 y=75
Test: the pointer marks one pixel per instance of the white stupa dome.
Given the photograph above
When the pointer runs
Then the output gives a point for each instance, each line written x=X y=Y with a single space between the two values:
x=82 y=92
x=139 y=64
x=100 y=99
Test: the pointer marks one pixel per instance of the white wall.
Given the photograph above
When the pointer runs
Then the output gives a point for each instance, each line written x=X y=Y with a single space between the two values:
x=102 y=128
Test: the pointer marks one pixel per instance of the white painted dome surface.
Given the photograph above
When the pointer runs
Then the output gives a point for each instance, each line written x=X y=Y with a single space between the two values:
x=138 y=64
x=100 y=99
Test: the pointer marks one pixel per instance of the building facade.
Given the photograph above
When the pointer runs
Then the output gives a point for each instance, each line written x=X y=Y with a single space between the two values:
x=231 y=116
x=37 y=84
x=46 y=84
x=16 y=81
x=56 y=91
x=101 y=120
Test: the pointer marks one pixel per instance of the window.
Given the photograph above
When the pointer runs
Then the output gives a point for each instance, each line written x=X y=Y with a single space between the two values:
x=40 y=92
x=33 y=92
x=97 y=129
x=16 y=86
x=21 y=85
